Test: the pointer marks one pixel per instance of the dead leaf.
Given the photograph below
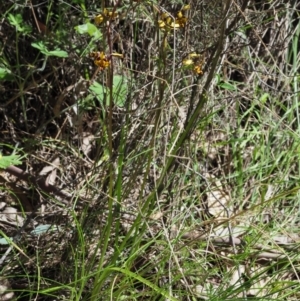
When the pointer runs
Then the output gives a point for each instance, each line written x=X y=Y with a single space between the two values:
x=5 y=290
x=51 y=177
x=10 y=215
x=54 y=164
x=87 y=143
x=51 y=171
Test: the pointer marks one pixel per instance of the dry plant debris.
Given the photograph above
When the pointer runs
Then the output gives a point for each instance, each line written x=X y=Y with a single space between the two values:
x=172 y=173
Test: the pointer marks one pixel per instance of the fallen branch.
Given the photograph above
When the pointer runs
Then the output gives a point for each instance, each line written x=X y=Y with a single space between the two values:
x=42 y=184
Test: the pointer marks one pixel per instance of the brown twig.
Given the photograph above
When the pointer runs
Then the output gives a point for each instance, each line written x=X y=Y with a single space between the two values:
x=41 y=183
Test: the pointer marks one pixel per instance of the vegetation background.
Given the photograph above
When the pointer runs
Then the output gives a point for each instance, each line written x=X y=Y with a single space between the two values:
x=157 y=145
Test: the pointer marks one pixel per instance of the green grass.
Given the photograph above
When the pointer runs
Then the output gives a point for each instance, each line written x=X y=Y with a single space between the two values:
x=181 y=186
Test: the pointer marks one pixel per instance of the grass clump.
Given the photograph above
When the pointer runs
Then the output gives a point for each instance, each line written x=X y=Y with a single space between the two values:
x=161 y=144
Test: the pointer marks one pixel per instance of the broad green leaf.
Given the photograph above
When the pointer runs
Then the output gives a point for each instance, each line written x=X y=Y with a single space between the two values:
x=227 y=86
x=17 y=20
x=78 y=1
x=4 y=241
x=99 y=90
x=42 y=47
x=90 y=29
x=58 y=52
x=120 y=90
x=230 y=86
x=5 y=74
